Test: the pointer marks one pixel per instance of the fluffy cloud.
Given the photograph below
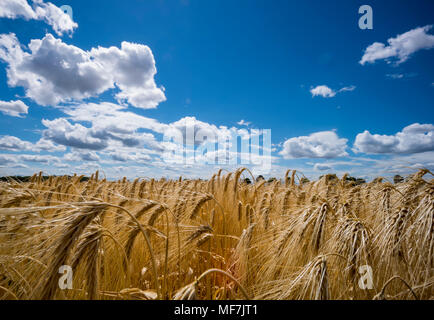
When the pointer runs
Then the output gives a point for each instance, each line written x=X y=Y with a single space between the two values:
x=81 y=156
x=104 y=133
x=54 y=72
x=104 y=126
x=401 y=47
x=414 y=138
x=14 y=144
x=195 y=132
x=37 y=158
x=326 y=92
x=113 y=123
x=6 y=159
x=13 y=9
x=133 y=70
x=322 y=91
x=11 y=143
x=123 y=136
x=322 y=167
x=47 y=145
x=48 y=12
x=12 y=160
x=112 y=117
x=390 y=165
x=62 y=132
x=324 y=144
x=13 y=108
x=138 y=157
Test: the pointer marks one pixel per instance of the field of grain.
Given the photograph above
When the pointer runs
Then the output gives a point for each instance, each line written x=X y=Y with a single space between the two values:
x=217 y=239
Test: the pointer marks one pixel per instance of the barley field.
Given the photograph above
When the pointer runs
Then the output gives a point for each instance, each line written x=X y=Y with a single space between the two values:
x=221 y=238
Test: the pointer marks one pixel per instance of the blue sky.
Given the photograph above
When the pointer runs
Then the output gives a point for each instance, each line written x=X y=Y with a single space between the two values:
x=290 y=66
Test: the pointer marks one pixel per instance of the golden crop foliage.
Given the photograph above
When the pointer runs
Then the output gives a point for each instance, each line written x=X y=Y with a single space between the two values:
x=217 y=239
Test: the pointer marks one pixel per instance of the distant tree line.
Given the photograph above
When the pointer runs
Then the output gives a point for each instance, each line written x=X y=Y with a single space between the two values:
x=28 y=178
x=355 y=181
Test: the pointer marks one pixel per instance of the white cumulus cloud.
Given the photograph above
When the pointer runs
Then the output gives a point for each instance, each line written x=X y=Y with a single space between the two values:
x=62 y=132
x=80 y=156
x=54 y=72
x=194 y=132
x=12 y=143
x=322 y=167
x=414 y=138
x=48 y=12
x=13 y=108
x=323 y=144
x=401 y=47
x=327 y=92
x=322 y=91
x=133 y=70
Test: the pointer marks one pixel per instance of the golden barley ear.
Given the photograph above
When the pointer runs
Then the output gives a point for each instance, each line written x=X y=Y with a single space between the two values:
x=72 y=231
